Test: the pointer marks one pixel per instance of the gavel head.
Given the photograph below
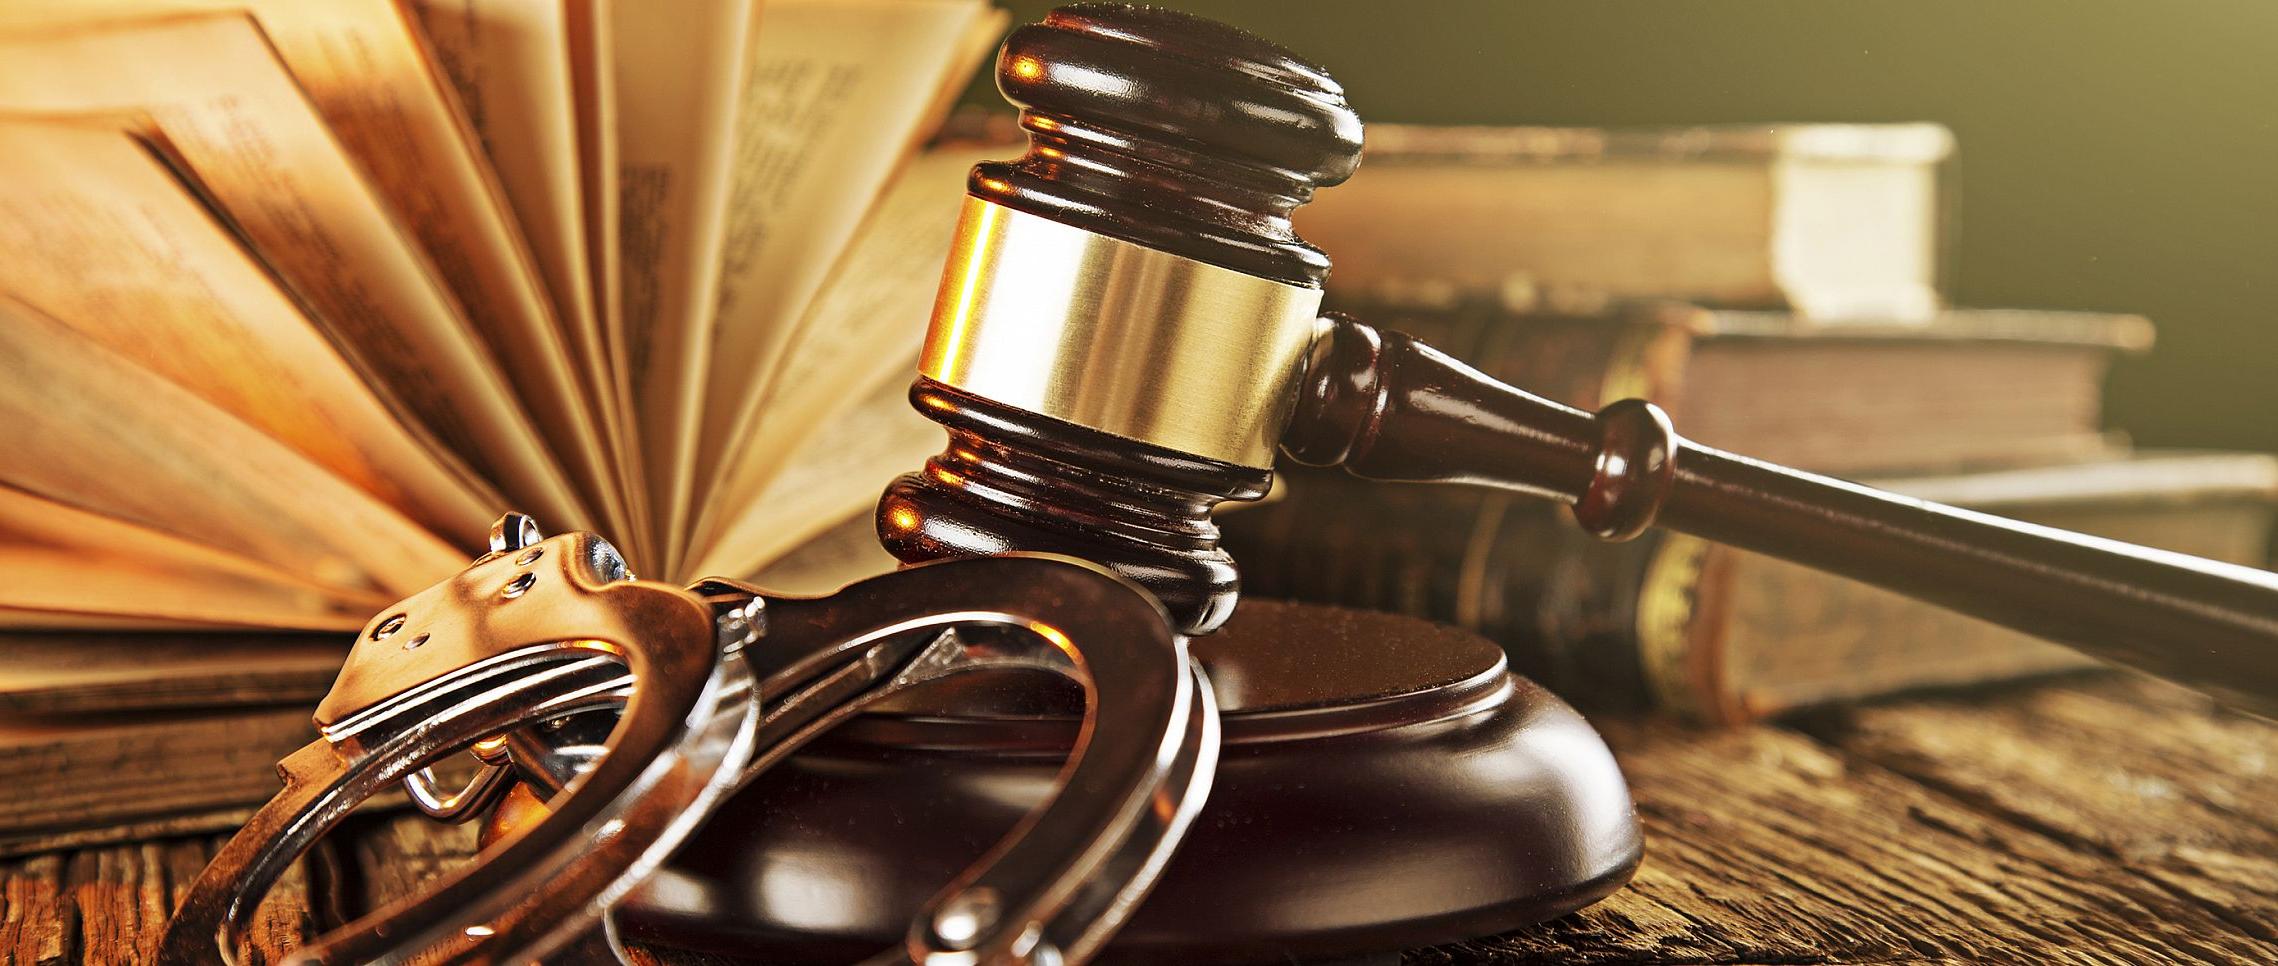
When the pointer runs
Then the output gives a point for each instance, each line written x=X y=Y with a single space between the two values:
x=1126 y=312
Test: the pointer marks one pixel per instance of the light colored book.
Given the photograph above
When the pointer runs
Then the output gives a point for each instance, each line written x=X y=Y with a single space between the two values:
x=1832 y=222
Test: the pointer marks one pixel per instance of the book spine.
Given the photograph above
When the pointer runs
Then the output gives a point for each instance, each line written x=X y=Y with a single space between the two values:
x=1667 y=621
x=1563 y=606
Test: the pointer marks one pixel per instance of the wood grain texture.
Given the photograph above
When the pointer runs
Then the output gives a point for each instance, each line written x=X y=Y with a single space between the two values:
x=90 y=772
x=111 y=672
x=2112 y=821
x=2102 y=819
x=394 y=855
x=2193 y=814
x=109 y=905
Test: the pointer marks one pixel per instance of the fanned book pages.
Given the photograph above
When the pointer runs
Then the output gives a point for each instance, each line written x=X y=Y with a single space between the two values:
x=295 y=298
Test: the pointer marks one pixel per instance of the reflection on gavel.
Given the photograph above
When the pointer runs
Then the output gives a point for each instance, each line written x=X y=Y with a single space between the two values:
x=1128 y=329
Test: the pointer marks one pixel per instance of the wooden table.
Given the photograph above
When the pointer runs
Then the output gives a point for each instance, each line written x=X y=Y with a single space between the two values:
x=2102 y=819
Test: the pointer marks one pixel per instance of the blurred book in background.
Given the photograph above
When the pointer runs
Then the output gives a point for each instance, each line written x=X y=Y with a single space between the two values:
x=1958 y=388
x=1772 y=287
x=1829 y=221
x=1673 y=623
x=298 y=297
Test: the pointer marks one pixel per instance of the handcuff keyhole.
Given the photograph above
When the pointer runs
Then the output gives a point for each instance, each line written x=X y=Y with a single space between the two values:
x=520 y=585
x=415 y=642
x=388 y=628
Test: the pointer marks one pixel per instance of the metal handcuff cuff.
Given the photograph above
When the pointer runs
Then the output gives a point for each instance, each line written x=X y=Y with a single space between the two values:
x=696 y=690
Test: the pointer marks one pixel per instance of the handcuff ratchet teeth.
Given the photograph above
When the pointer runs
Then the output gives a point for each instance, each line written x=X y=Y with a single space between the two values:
x=632 y=708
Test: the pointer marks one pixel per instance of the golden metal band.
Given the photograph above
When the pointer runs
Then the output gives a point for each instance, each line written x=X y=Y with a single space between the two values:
x=1119 y=337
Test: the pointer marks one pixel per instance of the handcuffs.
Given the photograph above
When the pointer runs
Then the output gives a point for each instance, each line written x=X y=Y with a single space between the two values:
x=637 y=707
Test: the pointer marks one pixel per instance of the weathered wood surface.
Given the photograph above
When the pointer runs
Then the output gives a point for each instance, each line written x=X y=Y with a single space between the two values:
x=109 y=905
x=2100 y=820
x=2110 y=820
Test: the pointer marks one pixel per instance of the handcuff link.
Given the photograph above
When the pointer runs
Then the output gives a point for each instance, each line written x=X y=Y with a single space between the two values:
x=708 y=686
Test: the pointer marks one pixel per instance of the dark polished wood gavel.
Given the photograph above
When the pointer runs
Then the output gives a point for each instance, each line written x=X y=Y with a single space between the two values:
x=1128 y=330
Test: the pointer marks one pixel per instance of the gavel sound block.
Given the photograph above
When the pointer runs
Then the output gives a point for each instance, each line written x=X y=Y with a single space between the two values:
x=1360 y=806
x=1127 y=333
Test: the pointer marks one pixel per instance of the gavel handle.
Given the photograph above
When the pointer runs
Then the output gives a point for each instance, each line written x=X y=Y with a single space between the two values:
x=1390 y=408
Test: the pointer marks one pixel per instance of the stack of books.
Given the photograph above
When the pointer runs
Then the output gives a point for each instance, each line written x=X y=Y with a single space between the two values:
x=1776 y=289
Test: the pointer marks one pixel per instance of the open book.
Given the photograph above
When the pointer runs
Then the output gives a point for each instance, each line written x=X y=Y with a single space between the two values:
x=296 y=298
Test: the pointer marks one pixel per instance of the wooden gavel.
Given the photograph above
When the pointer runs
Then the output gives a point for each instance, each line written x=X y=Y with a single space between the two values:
x=1128 y=329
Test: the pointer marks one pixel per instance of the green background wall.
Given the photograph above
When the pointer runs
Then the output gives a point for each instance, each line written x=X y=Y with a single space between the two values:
x=2114 y=154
